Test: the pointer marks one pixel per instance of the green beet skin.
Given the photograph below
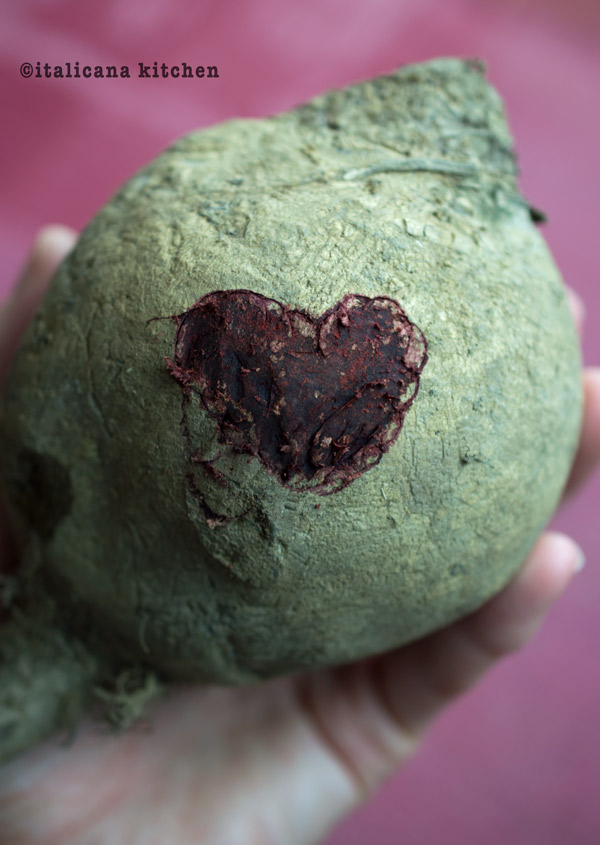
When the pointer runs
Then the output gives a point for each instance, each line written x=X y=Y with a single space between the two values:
x=307 y=389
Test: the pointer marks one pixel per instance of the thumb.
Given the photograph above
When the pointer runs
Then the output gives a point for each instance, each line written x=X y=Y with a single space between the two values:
x=49 y=249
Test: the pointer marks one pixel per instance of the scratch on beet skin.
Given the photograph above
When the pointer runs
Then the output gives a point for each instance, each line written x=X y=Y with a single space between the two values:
x=318 y=400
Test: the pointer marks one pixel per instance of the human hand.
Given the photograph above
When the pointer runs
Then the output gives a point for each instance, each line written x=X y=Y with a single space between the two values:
x=280 y=761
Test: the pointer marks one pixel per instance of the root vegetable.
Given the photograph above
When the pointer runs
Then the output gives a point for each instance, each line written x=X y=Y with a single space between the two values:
x=307 y=389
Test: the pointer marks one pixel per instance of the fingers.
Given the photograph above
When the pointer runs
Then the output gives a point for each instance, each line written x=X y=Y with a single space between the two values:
x=511 y=618
x=416 y=683
x=371 y=714
x=588 y=453
x=51 y=246
x=577 y=308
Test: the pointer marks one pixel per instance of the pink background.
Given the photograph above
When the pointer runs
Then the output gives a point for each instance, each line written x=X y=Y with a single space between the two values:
x=518 y=759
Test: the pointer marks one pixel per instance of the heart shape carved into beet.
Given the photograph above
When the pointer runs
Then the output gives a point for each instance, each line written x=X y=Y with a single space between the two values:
x=318 y=400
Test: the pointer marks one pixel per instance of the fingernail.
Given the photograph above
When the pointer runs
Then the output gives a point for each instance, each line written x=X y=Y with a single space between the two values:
x=53 y=242
x=566 y=553
x=50 y=246
x=577 y=306
x=580 y=561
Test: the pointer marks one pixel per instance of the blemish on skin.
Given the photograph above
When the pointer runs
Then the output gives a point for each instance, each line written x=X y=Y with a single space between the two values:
x=318 y=400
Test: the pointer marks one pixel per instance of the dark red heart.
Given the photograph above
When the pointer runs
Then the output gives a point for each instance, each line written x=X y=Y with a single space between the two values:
x=318 y=400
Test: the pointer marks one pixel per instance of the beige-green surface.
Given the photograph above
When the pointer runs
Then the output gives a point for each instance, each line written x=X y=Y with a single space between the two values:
x=403 y=186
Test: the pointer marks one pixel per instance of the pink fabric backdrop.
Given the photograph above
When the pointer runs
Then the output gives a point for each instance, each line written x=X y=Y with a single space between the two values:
x=518 y=759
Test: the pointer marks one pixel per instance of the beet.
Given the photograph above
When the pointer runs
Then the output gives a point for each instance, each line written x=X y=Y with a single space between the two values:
x=307 y=389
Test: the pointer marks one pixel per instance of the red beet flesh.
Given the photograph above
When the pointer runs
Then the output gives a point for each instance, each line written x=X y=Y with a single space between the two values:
x=318 y=400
